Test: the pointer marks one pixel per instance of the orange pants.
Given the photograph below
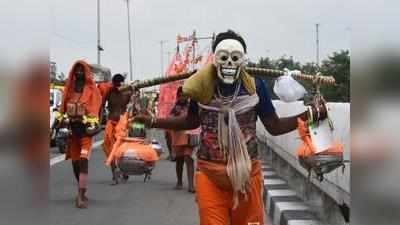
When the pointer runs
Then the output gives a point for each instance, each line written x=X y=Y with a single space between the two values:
x=109 y=137
x=215 y=204
x=78 y=148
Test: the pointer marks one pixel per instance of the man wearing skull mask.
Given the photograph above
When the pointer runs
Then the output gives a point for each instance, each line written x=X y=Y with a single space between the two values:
x=225 y=102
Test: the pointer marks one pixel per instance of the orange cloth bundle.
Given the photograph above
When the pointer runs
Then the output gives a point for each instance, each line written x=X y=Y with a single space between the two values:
x=140 y=150
x=109 y=137
x=123 y=144
x=307 y=148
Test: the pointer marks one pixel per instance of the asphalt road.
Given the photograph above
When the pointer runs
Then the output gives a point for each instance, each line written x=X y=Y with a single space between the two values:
x=134 y=203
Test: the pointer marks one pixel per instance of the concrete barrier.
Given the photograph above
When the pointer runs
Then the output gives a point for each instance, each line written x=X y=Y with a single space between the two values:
x=280 y=152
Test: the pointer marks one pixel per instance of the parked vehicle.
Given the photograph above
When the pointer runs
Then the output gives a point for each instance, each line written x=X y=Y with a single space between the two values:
x=61 y=139
x=100 y=73
x=55 y=103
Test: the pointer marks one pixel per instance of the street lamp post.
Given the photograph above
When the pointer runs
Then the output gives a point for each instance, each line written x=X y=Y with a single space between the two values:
x=317 y=42
x=169 y=53
x=162 y=42
x=130 y=42
x=98 y=32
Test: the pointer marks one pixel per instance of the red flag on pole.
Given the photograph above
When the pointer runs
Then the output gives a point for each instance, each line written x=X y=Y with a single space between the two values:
x=168 y=91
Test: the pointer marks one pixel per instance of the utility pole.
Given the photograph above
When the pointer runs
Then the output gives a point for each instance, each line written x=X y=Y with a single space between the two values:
x=317 y=26
x=99 y=48
x=194 y=41
x=169 y=53
x=162 y=42
x=130 y=42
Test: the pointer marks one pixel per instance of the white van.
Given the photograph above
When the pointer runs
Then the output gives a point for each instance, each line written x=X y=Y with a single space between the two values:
x=55 y=104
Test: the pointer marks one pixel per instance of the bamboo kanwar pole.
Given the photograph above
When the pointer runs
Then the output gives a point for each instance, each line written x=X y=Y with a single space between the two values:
x=254 y=71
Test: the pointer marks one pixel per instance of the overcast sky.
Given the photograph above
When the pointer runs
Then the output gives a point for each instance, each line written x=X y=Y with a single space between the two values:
x=270 y=28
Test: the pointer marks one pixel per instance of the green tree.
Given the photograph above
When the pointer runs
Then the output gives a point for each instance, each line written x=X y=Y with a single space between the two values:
x=287 y=62
x=278 y=64
x=309 y=68
x=338 y=66
x=268 y=63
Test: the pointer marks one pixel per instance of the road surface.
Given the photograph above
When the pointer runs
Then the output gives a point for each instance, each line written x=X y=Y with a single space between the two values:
x=134 y=203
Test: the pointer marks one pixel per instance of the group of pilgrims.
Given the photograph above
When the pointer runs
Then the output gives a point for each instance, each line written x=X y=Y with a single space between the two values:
x=220 y=104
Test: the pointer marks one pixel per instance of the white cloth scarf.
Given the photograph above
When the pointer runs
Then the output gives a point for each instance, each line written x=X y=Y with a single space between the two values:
x=231 y=139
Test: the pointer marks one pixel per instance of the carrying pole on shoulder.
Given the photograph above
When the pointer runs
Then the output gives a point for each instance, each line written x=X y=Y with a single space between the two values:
x=254 y=71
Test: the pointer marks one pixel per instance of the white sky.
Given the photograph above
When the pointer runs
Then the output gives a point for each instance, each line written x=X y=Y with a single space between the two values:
x=270 y=28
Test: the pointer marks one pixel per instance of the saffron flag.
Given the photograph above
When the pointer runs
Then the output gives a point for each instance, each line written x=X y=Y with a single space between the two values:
x=168 y=91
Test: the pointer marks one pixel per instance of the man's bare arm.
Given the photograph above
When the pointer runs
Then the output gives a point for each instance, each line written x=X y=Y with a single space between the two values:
x=277 y=126
x=189 y=122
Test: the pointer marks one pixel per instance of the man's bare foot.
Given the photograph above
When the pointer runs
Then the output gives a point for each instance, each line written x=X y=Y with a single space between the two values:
x=80 y=202
x=116 y=177
x=81 y=199
x=125 y=178
x=85 y=198
x=114 y=181
x=83 y=194
x=191 y=190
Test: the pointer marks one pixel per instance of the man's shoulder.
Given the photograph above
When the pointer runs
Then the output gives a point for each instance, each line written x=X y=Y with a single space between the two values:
x=260 y=86
x=260 y=83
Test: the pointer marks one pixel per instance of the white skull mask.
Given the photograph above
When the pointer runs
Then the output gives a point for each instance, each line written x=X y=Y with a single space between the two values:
x=229 y=58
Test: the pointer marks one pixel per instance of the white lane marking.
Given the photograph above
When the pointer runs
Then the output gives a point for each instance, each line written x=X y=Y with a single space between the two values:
x=57 y=159
x=61 y=158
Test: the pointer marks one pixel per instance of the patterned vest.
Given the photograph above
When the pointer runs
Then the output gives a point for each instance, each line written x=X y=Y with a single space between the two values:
x=209 y=149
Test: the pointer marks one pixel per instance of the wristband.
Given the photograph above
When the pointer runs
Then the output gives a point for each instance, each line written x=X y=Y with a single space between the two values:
x=310 y=114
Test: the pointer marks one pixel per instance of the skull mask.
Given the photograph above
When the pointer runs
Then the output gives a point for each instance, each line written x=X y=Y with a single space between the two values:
x=229 y=59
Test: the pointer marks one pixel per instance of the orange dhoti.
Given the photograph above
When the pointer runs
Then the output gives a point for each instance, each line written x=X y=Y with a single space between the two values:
x=79 y=147
x=182 y=151
x=180 y=144
x=216 y=203
x=109 y=137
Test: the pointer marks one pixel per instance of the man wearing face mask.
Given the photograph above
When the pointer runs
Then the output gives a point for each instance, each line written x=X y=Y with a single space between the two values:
x=117 y=103
x=226 y=102
x=80 y=112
